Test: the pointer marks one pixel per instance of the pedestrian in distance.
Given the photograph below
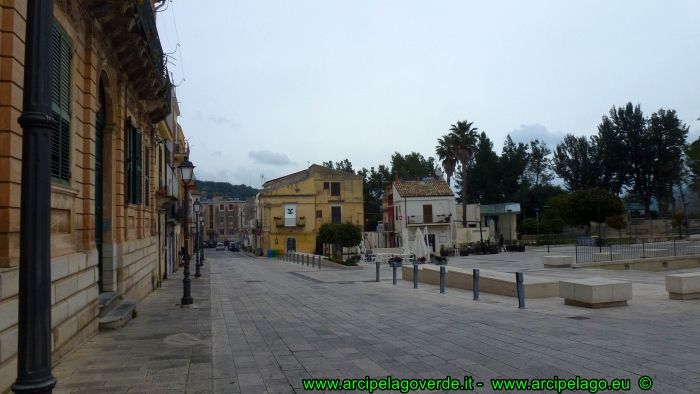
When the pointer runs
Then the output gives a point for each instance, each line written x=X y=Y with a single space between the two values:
x=500 y=244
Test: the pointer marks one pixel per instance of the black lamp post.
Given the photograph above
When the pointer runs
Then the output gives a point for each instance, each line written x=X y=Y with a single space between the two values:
x=201 y=237
x=547 y=230
x=510 y=225
x=687 y=223
x=37 y=122
x=537 y=215
x=197 y=207
x=186 y=169
x=600 y=241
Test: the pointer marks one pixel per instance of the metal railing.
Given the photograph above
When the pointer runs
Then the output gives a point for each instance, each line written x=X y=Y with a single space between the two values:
x=630 y=251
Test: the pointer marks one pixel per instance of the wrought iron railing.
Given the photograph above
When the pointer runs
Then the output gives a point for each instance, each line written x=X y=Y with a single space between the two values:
x=630 y=251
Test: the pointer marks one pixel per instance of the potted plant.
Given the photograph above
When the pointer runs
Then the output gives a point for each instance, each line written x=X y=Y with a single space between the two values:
x=421 y=260
x=356 y=257
x=302 y=221
x=396 y=261
x=438 y=260
x=278 y=221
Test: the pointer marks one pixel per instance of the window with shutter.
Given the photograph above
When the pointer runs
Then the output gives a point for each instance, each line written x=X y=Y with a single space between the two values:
x=335 y=188
x=134 y=163
x=147 y=177
x=60 y=108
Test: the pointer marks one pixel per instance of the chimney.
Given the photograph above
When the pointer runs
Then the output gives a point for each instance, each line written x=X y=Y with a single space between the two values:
x=396 y=176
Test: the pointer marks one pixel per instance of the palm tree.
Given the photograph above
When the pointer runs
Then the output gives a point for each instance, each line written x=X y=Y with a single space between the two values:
x=447 y=153
x=465 y=138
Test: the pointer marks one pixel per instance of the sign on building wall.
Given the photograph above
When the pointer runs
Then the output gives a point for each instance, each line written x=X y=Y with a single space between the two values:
x=290 y=214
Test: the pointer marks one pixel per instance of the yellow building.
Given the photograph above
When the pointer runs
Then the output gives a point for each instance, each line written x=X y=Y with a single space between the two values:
x=222 y=220
x=110 y=88
x=290 y=209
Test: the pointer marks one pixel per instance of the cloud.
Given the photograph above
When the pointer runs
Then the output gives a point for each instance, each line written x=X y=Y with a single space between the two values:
x=267 y=157
x=223 y=121
x=527 y=133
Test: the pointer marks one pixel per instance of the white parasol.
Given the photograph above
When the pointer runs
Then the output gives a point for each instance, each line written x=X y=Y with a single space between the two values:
x=420 y=249
x=427 y=239
x=406 y=246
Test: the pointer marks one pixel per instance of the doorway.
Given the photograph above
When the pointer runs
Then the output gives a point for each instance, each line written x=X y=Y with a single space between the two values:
x=291 y=244
x=100 y=122
x=431 y=241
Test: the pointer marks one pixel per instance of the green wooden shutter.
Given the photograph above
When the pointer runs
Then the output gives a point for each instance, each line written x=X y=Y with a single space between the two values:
x=147 y=177
x=60 y=97
x=129 y=161
x=138 y=166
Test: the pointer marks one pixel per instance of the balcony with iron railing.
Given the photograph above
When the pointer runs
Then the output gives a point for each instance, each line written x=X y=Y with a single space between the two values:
x=132 y=38
x=440 y=219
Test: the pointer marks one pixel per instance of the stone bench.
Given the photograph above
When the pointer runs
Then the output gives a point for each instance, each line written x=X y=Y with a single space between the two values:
x=607 y=256
x=492 y=282
x=683 y=286
x=557 y=261
x=595 y=292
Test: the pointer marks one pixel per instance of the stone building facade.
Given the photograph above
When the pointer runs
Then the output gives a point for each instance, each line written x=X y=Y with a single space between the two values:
x=110 y=91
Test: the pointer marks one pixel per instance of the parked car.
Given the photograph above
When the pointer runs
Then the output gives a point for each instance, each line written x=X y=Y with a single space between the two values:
x=212 y=244
x=205 y=244
x=234 y=246
x=226 y=243
x=220 y=246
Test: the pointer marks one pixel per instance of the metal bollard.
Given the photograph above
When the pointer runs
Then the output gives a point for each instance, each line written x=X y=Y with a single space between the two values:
x=475 y=275
x=521 y=293
x=313 y=261
x=307 y=260
x=394 y=267
x=415 y=276
x=319 y=261
x=442 y=279
x=377 y=263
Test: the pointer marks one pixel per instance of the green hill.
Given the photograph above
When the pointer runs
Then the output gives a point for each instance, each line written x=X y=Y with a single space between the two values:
x=225 y=189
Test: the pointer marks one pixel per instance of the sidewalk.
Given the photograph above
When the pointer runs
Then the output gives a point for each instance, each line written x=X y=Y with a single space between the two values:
x=264 y=325
x=165 y=349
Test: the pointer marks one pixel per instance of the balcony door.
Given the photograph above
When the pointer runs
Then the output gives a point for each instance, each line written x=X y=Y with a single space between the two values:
x=291 y=244
x=427 y=213
x=336 y=215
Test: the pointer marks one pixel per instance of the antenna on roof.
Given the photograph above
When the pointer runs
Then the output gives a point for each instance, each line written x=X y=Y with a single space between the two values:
x=308 y=164
x=262 y=179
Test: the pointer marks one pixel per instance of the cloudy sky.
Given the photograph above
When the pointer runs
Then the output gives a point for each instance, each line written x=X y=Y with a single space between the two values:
x=267 y=87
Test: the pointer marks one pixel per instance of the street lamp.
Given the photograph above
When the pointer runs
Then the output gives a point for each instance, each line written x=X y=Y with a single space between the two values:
x=600 y=241
x=547 y=231
x=537 y=215
x=197 y=208
x=510 y=225
x=687 y=223
x=201 y=235
x=186 y=169
x=34 y=299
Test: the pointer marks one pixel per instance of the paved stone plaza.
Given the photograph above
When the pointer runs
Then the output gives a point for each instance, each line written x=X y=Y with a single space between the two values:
x=263 y=325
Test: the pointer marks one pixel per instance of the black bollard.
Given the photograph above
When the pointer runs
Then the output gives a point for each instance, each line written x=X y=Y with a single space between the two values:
x=521 y=293
x=475 y=275
x=394 y=267
x=377 y=263
x=313 y=261
x=442 y=279
x=415 y=276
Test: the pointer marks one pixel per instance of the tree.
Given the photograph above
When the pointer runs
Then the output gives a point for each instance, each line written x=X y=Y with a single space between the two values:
x=344 y=165
x=552 y=225
x=575 y=162
x=692 y=161
x=539 y=166
x=513 y=163
x=347 y=235
x=465 y=141
x=669 y=137
x=580 y=208
x=483 y=175
x=677 y=220
x=328 y=164
x=611 y=153
x=446 y=150
x=375 y=183
x=529 y=226
x=617 y=222
x=412 y=165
